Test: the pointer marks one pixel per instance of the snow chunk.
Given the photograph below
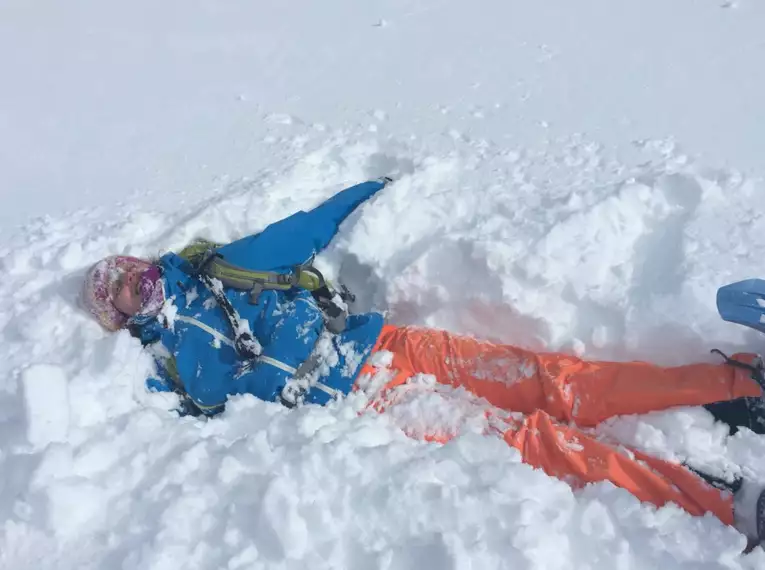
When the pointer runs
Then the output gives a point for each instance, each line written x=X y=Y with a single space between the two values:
x=168 y=312
x=46 y=401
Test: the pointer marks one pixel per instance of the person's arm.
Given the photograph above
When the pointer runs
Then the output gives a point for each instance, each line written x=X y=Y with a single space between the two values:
x=297 y=238
x=325 y=219
x=291 y=341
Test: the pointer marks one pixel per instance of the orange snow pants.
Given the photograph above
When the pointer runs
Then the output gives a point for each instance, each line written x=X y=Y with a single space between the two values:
x=555 y=390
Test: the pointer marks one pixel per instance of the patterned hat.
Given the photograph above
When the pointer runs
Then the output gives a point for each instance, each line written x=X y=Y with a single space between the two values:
x=99 y=284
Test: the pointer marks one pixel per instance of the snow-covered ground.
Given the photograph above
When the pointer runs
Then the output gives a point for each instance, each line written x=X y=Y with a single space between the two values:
x=570 y=175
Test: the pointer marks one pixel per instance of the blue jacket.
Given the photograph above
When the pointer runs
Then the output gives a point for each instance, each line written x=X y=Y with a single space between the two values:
x=288 y=325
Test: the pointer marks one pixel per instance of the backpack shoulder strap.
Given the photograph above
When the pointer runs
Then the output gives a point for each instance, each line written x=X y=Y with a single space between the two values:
x=211 y=267
x=197 y=250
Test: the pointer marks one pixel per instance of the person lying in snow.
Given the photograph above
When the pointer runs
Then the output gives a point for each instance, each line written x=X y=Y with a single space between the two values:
x=280 y=340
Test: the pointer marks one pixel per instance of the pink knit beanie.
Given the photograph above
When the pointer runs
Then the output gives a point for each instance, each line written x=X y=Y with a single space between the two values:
x=99 y=285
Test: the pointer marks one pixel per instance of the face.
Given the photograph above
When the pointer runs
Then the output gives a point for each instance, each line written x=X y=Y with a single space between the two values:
x=126 y=294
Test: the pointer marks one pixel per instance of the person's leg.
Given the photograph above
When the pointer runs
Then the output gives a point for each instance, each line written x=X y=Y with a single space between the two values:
x=567 y=453
x=561 y=451
x=568 y=388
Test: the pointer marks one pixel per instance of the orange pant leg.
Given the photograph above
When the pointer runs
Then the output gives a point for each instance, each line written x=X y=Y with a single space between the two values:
x=565 y=452
x=566 y=387
x=519 y=380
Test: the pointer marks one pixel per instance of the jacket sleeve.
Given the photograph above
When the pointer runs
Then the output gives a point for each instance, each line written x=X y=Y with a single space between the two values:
x=327 y=217
x=290 y=343
x=297 y=238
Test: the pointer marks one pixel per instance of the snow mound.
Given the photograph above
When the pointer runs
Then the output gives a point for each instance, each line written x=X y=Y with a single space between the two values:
x=562 y=246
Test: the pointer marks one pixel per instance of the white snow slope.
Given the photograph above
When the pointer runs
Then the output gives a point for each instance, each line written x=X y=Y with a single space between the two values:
x=566 y=178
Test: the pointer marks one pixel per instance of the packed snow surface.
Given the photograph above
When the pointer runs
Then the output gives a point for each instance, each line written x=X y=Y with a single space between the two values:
x=566 y=179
